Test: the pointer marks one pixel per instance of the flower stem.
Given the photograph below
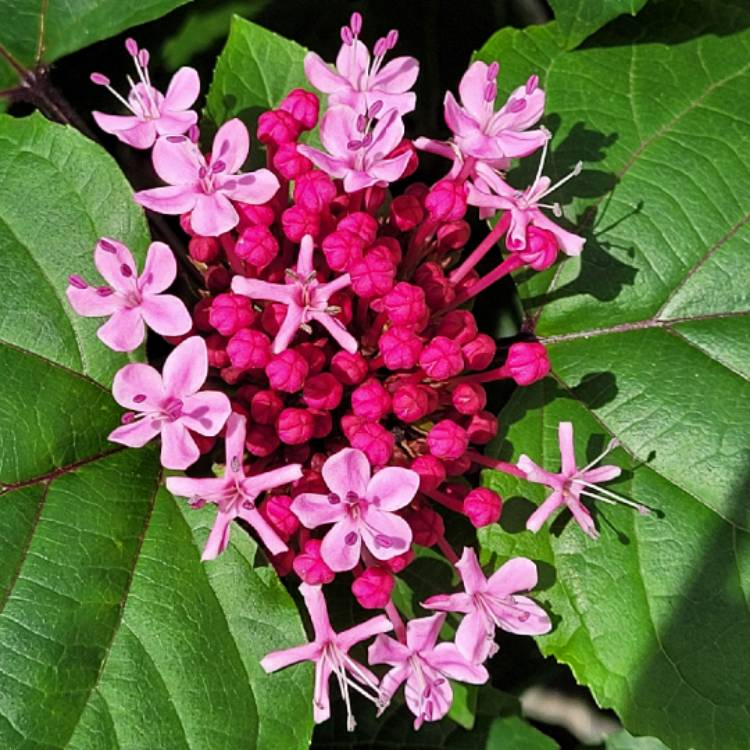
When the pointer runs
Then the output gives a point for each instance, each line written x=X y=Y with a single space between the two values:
x=444 y=499
x=398 y=624
x=493 y=463
x=447 y=550
x=482 y=249
x=511 y=263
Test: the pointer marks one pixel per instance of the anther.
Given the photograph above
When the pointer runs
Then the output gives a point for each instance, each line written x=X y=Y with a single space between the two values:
x=76 y=281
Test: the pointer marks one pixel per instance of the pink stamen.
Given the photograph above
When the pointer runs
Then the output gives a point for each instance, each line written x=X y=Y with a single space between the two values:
x=131 y=46
x=99 y=79
x=531 y=84
x=356 y=23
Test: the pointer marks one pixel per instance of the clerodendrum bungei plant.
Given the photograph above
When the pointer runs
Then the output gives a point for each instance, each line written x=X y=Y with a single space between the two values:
x=332 y=362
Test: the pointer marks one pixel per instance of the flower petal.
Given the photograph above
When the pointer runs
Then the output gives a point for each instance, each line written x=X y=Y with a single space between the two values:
x=472 y=88
x=321 y=76
x=475 y=637
x=160 y=269
x=392 y=488
x=280 y=659
x=431 y=708
x=218 y=539
x=288 y=328
x=114 y=124
x=316 y=510
x=116 y=264
x=177 y=162
x=601 y=474
x=341 y=545
x=571 y=244
x=231 y=145
x=567 y=450
x=422 y=633
x=583 y=518
x=175 y=123
x=213 y=215
x=459 y=602
x=318 y=611
x=386 y=650
x=386 y=135
x=347 y=471
x=351 y=636
x=269 y=480
x=544 y=511
x=206 y=412
x=183 y=89
x=446 y=658
x=138 y=387
x=124 y=331
x=397 y=76
x=166 y=314
x=337 y=330
x=332 y=166
x=174 y=199
x=471 y=572
x=523 y=617
x=514 y=145
x=321 y=699
x=90 y=303
x=140 y=136
x=518 y=574
x=250 y=187
x=234 y=445
x=137 y=433
x=209 y=489
x=457 y=119
x=392 y=680
x=271 y=540
x=258 y=289
x=353 y=62
x=186 y=368
x=385 y=534
x=337 y=129
x=178 y=449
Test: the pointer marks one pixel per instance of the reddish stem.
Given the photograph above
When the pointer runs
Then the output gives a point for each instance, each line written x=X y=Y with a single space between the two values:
x=493 y=463
x=482 y=249
x=447 y=550
x=511 y=263
x=499 y=373
x=445 y=500
x=398 y=624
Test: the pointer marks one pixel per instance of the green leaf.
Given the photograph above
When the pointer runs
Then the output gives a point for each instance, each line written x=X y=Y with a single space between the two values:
x=113 y=634
x=649 y=341
x=624 y=741
x=254 y=72
x=579 y=19
x=55 y=29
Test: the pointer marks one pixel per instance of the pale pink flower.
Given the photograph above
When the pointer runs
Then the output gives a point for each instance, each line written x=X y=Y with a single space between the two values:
x=330 y=653
x=481 y=133
x=170 y=404
x=571 y=483
x=306 y=300
x=358 y=83
x=360 y=507
x=152 y=113
x=425 y=667
x=132 y=302
x=206 y=188
x=357 y=152
x=491 y=193
x=492 y=603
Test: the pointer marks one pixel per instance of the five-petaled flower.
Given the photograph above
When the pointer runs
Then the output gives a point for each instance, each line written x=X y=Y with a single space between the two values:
x=425 y=667
x=490 y=603
x=360 y=85
x=206 y=188
x=152 y=113
x=306 y=299
x=170 y=404
x=360 y=507
x=130 y=300
x=330 y=652
x=235 y=493
x=571 y=483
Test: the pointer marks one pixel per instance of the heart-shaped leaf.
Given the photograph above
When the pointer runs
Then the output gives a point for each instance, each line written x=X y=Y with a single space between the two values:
x=578 y=19
x=112 y=632
x=649 y=341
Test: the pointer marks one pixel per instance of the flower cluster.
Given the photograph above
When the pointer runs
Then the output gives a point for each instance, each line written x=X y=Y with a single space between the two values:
x=347 y=371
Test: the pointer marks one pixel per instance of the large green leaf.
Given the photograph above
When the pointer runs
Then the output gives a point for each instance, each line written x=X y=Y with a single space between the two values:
x=578 y=19
x=113 y=634
x=66 y=27
x=624 y=741
x=649 y=340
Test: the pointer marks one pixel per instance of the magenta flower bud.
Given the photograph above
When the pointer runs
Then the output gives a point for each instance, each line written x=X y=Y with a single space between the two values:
x=479 y=352
x=431 y=472
x=314 y=191
x=405 y=304
x=257 y=246
x=401 y=348
x=294 y=426
x=482 y=427
x=468 y=398
x=231 y=312
x=342 y=248
x=458 y=466
x=217 y=279
x=217 y=351
x=204 y=249
x=438 y=290
x=373 y=275
x=389 y=245
x=303 y=106
x=265 y=407
x=276 y=510
x=272 y=317
x=322 y=391
x=447 y=440
x=249 y=349
x=527 y=362
x=361 y=224
x=322 y=423
x=459 y=325
x=287 y=372
x=289 y=163
x=442 y=358
x=411 y=402
x=453 y=235
x=406 y=212
x=201 y=314
x=371 y=400
x=426 y=526
x=251 y=215
x=541 y=248
x=310 y=566
x=373 y=440
x=446 y=200
x=313 y=355
x=373 y=587
x=261 y=440
x=298 y=221
x=483 y=507
x=349 y=369
x=278 y=127
x=400 y=562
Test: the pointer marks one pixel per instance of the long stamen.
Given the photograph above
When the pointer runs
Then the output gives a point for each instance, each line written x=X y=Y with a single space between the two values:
x=614 y=443
x=610 y=497
x=573 y=173
x=139 y=60
x=542 y=159
x=101 y=80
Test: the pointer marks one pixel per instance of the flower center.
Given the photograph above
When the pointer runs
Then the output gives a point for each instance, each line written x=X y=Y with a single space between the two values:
x=172 y=408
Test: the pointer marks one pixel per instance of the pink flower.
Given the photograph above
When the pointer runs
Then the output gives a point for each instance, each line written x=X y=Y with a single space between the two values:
x=479 y=132
x=571 y=483
x=330 y=653
x=306 y=299
x=524 y=208
x=425 y=667
x=131 y=301
x=235 y=494
x=152 y=113
x=170 y=404
x=357 y=154
x=360 y=509
x=360 y=85
x=491 y=603
x=207 y=188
